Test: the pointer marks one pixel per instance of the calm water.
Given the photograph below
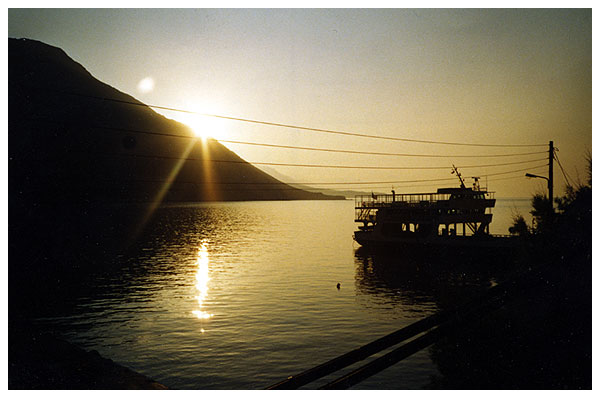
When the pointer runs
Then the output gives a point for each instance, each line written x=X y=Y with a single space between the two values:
x=242 y=295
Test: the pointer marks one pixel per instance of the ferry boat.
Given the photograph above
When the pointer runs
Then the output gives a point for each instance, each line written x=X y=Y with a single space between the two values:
x=453 y=217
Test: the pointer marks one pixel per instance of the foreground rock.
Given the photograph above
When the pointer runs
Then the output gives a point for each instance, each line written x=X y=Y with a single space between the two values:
x=42 y=361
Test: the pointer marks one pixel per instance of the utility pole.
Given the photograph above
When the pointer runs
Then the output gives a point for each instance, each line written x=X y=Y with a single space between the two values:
x=551 y=174
x=550 y=177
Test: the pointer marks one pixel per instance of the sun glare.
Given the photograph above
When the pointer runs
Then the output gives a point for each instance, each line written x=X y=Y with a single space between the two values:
x=202 y=279
x=206 y=127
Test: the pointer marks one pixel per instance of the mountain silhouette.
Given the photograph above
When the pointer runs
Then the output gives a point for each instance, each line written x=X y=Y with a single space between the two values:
x=75 y=139
x=88 y=166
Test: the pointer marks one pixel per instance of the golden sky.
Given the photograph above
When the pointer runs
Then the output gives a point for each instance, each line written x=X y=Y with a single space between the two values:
x=494 y=77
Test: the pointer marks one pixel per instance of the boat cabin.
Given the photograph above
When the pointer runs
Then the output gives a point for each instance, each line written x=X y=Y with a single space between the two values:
x=447 y=212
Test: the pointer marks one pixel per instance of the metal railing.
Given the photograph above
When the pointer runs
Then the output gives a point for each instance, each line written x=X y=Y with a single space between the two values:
x=377 y=201
x=387 y=199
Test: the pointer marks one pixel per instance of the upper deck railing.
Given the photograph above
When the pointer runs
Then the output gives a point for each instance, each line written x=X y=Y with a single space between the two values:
x=387 y=199
x=377 y=201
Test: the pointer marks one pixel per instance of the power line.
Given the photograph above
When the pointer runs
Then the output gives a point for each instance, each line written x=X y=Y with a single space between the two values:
x=297 y=127
x=393 y=167
x=290 y=187
x=300 y=183
x=309 y=165
x=564 y=173
x=322 y=183
x=368 y=135
x=119 y=129
x=421 y=180
x=370 y=187
x=137 y=131
x=377 y=153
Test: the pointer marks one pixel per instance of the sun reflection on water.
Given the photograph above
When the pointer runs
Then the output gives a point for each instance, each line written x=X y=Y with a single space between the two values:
x=202 y=280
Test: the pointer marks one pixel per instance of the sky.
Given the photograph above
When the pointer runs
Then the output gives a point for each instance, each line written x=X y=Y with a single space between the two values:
x=474 y=76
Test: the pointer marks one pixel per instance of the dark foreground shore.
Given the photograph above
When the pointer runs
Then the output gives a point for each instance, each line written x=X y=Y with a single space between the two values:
x=541 y=338
x=40 y=361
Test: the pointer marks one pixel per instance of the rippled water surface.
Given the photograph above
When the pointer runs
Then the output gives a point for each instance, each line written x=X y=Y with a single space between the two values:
x=242 y=295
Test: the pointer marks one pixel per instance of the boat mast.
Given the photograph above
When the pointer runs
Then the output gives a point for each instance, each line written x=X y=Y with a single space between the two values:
x=455 y=170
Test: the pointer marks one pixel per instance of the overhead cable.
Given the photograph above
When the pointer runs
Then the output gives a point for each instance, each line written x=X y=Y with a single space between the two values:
x=377 y=153
x=134 y=155
x=298 y=127
x=130 y=180
x=187 y=136
x=564 y=173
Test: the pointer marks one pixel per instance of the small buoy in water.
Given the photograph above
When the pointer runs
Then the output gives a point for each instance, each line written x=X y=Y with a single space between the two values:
x=338 y=286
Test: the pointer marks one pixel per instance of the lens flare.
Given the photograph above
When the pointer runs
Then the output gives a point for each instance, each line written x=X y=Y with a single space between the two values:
x=146 y=85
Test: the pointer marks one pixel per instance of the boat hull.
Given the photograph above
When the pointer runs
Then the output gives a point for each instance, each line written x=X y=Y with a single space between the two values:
x=371 y=239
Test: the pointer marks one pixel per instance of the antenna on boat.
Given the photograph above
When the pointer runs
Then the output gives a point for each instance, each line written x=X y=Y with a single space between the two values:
x=476 y=186
x=455 y=170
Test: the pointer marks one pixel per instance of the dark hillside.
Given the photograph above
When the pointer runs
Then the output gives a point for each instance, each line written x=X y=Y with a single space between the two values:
x=66 y=144
x=85 y=173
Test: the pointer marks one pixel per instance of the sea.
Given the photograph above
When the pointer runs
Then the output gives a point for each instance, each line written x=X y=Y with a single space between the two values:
x=241 y=295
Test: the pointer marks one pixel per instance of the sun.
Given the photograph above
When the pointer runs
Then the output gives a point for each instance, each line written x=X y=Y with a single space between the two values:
x=205 y=126
x=196 y=114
